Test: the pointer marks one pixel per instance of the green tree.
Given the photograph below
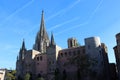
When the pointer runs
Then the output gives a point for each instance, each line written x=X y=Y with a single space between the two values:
x=39 y=77
x=8 y=78
x=11 y=75
x=13 y=72
x=27 y=76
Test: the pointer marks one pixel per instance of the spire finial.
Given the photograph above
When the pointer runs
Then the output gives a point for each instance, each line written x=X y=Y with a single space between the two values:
x=23 y=40
x=42 y=12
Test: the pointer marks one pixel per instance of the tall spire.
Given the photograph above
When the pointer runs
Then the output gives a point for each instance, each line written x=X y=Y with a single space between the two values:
x=42 y=27
x=42 y=39
x=22 y=51
x=23 y=44
x=52 y=39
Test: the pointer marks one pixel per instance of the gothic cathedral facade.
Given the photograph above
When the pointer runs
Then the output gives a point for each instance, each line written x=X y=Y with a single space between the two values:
x=46 y=58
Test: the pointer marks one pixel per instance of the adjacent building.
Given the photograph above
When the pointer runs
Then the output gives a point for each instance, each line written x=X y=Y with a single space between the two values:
x=50 y=61
x=113 y=73
x=117 y=54
x=2 y=74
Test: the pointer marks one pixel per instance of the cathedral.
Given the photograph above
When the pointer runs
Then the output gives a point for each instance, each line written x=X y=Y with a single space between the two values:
x=36 y=61
x=51 y=62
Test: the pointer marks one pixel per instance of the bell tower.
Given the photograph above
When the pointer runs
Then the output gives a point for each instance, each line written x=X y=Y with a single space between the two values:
x=72 y=42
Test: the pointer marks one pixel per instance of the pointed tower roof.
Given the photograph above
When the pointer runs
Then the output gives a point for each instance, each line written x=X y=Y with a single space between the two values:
x=43 y=32
x=42 y=39
x=17 y=58
x=23 y=45
x=22 y=51
x=52 y=39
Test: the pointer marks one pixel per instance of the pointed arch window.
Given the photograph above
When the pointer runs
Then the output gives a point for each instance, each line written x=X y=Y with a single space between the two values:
x=41 y=58
x=37 y=58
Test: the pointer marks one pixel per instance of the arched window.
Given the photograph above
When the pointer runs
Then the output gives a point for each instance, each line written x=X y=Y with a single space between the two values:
x=74 y=53
x=83 y=50
x=41 y=58
x=37 y=58
x=65 y=53
x=61 y=54
x=70 y=53
x=78 y=51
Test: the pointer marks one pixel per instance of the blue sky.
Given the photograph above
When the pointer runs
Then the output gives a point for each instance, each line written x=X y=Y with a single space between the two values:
x=65 y=18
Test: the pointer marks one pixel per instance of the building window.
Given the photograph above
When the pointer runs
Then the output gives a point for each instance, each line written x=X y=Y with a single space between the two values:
x=65 y=53
x=71 y=43
x=52 y=62
x=74 y=43
x=74 y=53
x=41 y=58
x=61 y=54
x=88 y=46
x=50 y=69
x=37 y=58
x=78 y=51
x=83 y=50
x=100 y=51
x=69 y=53
x=37 y=63
x=29 y=65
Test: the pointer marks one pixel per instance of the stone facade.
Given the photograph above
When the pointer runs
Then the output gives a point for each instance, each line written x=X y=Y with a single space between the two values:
x=41 y=60
x=46 y=59
x=117 y=54
x=63 y=61
x=96 y=50
x=113 y=73
x=41 y=65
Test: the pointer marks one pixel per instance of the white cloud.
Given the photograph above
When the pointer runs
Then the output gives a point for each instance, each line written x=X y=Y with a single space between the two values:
x=87 y=21
x=15 y=12
x=70 y=28
x=96 y=9
x=64 y=10
x=61 y=24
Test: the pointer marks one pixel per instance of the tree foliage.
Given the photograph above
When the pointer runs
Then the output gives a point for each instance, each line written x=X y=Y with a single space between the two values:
x=40 y=78
x=11 y=75
x=27 y=76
